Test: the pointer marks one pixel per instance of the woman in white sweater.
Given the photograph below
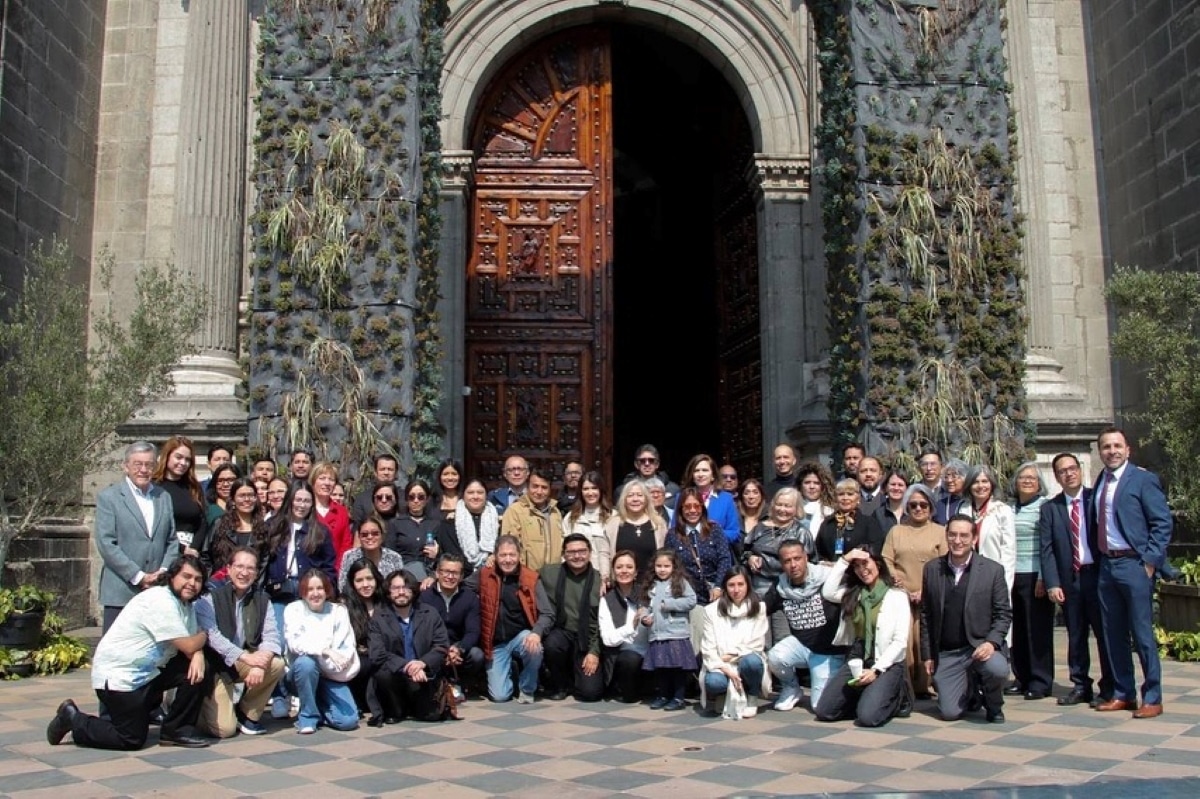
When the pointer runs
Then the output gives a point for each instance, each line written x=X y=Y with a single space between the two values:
x=733 y=645
x=323 y=656
x=870 y=687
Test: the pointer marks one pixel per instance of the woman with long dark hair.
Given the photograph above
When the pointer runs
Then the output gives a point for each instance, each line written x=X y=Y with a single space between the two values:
x=624 y=637
x=472 y=531
x=734 y=642
x=413 y=533
x=588 y=517
x=699 y=544
x=447 y=487
x=700 y=475
x=217 y=493
x=322 y=655
x=236 y=527
x=870 y=686
x=370 y=547
x=363 y=596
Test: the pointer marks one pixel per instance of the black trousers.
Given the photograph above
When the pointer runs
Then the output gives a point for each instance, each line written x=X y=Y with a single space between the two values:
x=623 y=673
x=562 y=660
x=365 y=690
x=1081 y=609
x=128 y=720
x=400 y=695
x=872 y=706
x=1032 y=651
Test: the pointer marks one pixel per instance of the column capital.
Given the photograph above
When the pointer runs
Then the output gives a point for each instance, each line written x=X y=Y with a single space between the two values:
x=779 y=177
x=458 y=167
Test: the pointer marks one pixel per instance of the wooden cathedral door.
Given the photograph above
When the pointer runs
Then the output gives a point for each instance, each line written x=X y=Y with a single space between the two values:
x=539 y=274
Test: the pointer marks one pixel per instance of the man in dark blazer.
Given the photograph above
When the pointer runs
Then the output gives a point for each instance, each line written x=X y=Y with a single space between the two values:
x=407 y=642
x=134 y=532
x=1071 y=574
x=965 y=616
x=1133 y=529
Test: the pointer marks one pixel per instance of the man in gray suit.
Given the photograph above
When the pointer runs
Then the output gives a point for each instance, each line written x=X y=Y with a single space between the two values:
x=134 y=533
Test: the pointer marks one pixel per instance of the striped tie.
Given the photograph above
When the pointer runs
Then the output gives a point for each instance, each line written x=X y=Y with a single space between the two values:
x=1076 y=554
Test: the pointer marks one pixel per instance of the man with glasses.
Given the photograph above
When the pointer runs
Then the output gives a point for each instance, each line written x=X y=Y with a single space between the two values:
x=459 y=610
x=134 y=533
x=569 y=494
x=244 y=646
x=645 y=466
x=572 y=645
x=407 y=643
x=727 y=478
x=386 y=468
x=965 y=616
x=1071 y=574
x=516 y=475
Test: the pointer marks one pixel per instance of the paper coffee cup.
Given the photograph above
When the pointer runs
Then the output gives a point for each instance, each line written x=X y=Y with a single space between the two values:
x=856 y=667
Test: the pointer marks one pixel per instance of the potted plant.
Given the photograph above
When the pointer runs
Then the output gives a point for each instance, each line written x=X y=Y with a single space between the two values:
x=1179 y=598
x=22 y=613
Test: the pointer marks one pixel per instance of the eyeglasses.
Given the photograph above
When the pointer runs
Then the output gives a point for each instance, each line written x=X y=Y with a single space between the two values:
x=369 y=534
x=400 y=589
x=385 y=498
x=141 y=466
x=447 y=573
x=226 y=480
x=571 y=552
x=1067 y=470
x=919 y=506
x=572 y=474
x=727 y=476
x=418 y=496
x=516 y=469
x=647 y=460
x=1027 y=478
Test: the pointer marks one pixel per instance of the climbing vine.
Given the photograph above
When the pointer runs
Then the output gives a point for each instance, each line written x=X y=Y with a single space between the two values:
x=341 y=332
x=922 y=238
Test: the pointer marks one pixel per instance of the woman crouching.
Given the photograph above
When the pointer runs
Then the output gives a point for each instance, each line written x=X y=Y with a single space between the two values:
x=870 y=687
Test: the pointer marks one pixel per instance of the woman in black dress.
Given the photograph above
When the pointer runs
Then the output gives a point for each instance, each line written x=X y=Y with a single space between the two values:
x=636 y=527
x=176 y=474
x=848 y=529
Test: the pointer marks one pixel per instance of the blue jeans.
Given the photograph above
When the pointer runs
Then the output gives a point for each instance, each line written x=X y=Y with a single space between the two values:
x=750 y=669
x=499 y=669
x=281 y=687
x=789 y=653
x=322 y=699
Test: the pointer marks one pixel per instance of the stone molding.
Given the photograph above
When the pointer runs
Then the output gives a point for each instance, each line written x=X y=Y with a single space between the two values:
x=781 y=177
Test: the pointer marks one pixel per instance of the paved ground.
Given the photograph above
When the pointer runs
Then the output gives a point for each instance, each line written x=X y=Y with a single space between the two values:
x=566 y=749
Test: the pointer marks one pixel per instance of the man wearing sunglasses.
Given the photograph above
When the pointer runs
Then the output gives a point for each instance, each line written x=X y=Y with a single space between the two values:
x=386 y=467
x=645 y=466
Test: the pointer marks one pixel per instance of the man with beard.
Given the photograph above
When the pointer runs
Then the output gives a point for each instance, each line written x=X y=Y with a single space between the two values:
x=569 y=493
x=572 y=645
x=244 y=646
x=407 y=642
x=813 y=623
x=458 y=609
x=852 y=455
x=870 y=475
x=155 y=644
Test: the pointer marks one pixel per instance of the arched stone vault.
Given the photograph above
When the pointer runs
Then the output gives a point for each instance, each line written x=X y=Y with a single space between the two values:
x=753 y=44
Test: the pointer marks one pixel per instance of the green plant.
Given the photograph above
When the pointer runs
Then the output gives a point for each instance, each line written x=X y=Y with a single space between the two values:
x=70 y=398
x=1158 y=332
x=23 y=599
x=1182 y=646
x=59 y=654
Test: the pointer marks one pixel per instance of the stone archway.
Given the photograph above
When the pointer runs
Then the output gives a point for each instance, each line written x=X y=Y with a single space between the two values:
x=762 y=51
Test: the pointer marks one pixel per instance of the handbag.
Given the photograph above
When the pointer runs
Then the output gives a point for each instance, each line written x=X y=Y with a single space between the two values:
x=737 y=706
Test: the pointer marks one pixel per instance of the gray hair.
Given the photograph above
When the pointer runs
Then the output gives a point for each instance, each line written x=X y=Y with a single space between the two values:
x=973 y=474
x=138 y=447
x=1017 y=473
x=918 y=488
x=788 y=491
x=653 y=483
x=956 y=466
x=848 y=482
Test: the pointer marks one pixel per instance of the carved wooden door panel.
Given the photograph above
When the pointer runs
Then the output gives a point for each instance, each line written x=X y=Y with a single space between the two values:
x=539 y=274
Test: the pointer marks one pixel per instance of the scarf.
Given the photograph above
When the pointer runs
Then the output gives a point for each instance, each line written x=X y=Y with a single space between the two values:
x=801 y=593
x=866 y=614
x=979 y=514
x=727 y=643
x=844 y=519
x=476 y=546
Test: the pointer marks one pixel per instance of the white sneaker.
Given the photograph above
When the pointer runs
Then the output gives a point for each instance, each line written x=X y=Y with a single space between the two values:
x=789 y=697
x=294 y=706
x=524 y=698
x=279 y=707
x=306 y=730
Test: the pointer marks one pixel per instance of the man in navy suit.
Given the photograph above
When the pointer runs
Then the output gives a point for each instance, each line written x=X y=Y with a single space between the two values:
x=1071 y=573
x=1133 y=528
x=134 y=532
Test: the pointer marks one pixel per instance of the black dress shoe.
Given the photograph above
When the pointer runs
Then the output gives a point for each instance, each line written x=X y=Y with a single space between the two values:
x=61 y=724
x=157 y=717
x=1034 y=695
x=186 y=741
x=375 y=721
x=1076 y=697
x=995 y=716
x=1015 y=689
x=558 y=695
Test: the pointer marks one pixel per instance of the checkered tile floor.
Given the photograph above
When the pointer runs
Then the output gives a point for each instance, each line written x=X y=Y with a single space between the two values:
x=563 y=749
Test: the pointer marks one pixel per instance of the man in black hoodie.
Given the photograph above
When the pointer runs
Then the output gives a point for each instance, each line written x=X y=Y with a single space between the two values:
x=645 y=465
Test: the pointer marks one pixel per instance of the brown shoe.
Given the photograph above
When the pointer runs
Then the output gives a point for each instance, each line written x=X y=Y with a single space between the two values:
x=1115 y=704
x=1147 y=711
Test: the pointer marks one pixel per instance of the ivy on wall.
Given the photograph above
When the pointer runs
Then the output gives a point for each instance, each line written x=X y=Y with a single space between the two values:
x=344 y=344
x=922 y=238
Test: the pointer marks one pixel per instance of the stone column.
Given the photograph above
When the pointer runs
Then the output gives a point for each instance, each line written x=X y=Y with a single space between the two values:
x=783 y=186
x=210 y=214
x=457 y=166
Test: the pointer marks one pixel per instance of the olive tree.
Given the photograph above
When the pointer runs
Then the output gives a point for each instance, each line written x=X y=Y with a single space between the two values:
x=61 y=399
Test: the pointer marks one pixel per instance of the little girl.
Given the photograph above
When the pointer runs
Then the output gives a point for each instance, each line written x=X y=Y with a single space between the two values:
x=668 y=600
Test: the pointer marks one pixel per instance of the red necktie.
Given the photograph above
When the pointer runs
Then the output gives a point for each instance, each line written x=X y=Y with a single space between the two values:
x=1102 y=516
x=1076 y=555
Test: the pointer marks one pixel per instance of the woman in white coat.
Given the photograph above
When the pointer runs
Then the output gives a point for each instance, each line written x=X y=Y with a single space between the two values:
x=733 y=644
x=870 y=686
x=995 y=521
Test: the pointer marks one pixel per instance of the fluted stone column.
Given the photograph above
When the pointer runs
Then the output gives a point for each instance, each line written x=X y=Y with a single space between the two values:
x=210 y=211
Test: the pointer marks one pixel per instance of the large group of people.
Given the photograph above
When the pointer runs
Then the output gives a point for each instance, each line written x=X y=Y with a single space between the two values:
x=272 y=595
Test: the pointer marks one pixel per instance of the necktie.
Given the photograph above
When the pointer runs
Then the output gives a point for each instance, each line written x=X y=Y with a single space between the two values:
x=1076 y=555
x=1102 y=516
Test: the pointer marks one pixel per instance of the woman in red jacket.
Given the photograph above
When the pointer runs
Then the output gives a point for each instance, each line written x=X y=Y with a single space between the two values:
x=333 y=515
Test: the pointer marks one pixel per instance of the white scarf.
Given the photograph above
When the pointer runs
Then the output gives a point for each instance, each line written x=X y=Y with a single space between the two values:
x=476 y=549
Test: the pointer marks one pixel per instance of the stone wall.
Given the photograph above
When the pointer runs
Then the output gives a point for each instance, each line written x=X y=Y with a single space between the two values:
x=1145 y=64
x=49 y=100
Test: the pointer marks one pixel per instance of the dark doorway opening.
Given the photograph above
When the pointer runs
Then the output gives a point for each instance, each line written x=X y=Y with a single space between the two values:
x=681 y=145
